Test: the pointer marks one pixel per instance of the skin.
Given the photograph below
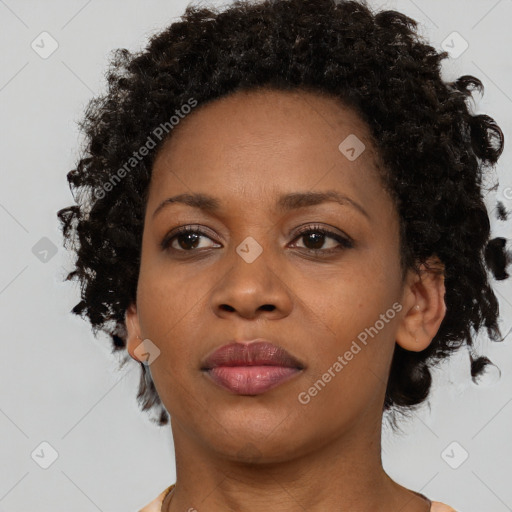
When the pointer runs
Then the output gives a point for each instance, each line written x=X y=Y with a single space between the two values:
x=270 y=451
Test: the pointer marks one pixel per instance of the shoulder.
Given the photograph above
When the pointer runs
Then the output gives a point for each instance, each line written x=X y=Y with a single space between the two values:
x=437 y=506
x=156 y=504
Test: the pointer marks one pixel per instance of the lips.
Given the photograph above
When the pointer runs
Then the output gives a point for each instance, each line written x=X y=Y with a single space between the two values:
x=251 y=353
x=251 y=367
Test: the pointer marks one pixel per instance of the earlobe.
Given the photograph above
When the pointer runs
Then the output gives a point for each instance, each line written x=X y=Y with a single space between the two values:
x=425 y=307
x=133 y=338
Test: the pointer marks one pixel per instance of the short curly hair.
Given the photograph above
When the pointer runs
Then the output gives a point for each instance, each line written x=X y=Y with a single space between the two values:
x=434 y=150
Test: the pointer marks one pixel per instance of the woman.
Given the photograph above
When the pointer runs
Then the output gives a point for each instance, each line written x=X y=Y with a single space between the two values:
x=281 y=221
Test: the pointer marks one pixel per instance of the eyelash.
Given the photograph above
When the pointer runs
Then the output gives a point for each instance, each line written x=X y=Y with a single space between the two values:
x=345 y=242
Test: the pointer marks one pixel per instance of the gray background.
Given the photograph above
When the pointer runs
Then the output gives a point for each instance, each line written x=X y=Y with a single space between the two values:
x=60 y=385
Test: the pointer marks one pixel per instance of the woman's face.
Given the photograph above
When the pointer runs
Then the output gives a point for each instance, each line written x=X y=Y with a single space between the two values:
x=251 y=274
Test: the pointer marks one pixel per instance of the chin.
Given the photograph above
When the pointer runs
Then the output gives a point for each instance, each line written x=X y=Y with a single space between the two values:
x=255 y=440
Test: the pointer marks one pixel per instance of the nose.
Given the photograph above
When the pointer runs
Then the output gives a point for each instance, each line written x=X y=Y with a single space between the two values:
x=252 y=289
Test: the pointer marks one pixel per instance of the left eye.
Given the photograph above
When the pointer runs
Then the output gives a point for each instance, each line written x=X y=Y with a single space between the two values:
x=316 y=237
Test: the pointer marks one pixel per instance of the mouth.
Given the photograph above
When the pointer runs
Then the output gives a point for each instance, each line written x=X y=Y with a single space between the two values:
x=250 y=368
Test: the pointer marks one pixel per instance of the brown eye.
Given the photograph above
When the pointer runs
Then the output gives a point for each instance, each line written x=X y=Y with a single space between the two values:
x=315 y=237
x=187 y=238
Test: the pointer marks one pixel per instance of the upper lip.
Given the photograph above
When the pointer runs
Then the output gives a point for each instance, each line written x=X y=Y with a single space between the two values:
x=257 y=352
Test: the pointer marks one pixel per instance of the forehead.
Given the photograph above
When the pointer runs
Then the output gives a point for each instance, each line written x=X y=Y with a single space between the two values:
x=268 y=116
x=266 y=140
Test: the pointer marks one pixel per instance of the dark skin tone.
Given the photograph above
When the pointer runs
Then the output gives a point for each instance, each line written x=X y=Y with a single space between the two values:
x=270 y=451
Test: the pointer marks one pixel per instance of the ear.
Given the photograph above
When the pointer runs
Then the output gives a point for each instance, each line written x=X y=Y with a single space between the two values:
x=133 y=338
x=424 y=306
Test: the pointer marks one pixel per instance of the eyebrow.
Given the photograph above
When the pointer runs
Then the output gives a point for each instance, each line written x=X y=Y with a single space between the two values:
x=285 y=203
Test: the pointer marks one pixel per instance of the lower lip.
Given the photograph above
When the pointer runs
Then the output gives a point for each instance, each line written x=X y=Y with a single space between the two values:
x=250 y=380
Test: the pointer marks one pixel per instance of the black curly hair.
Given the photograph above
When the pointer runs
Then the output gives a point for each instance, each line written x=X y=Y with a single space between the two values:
x=434 y=150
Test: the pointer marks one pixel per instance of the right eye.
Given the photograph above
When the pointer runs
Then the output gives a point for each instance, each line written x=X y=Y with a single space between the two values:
x=187 y=239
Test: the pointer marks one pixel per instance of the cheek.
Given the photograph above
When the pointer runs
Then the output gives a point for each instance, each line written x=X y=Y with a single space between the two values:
x=353 y=317
x=167 y=294
x=169 y=310
x=344 y=302
x=348 y=369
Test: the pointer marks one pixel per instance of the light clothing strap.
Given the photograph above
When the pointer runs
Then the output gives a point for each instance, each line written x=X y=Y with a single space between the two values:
x=156 y=504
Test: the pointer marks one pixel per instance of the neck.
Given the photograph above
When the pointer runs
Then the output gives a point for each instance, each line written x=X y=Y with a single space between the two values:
x=343 y=474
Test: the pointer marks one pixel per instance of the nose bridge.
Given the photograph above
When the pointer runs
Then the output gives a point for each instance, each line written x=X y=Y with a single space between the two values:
x=251 y=266
x=252 y=280
x=252 y=234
